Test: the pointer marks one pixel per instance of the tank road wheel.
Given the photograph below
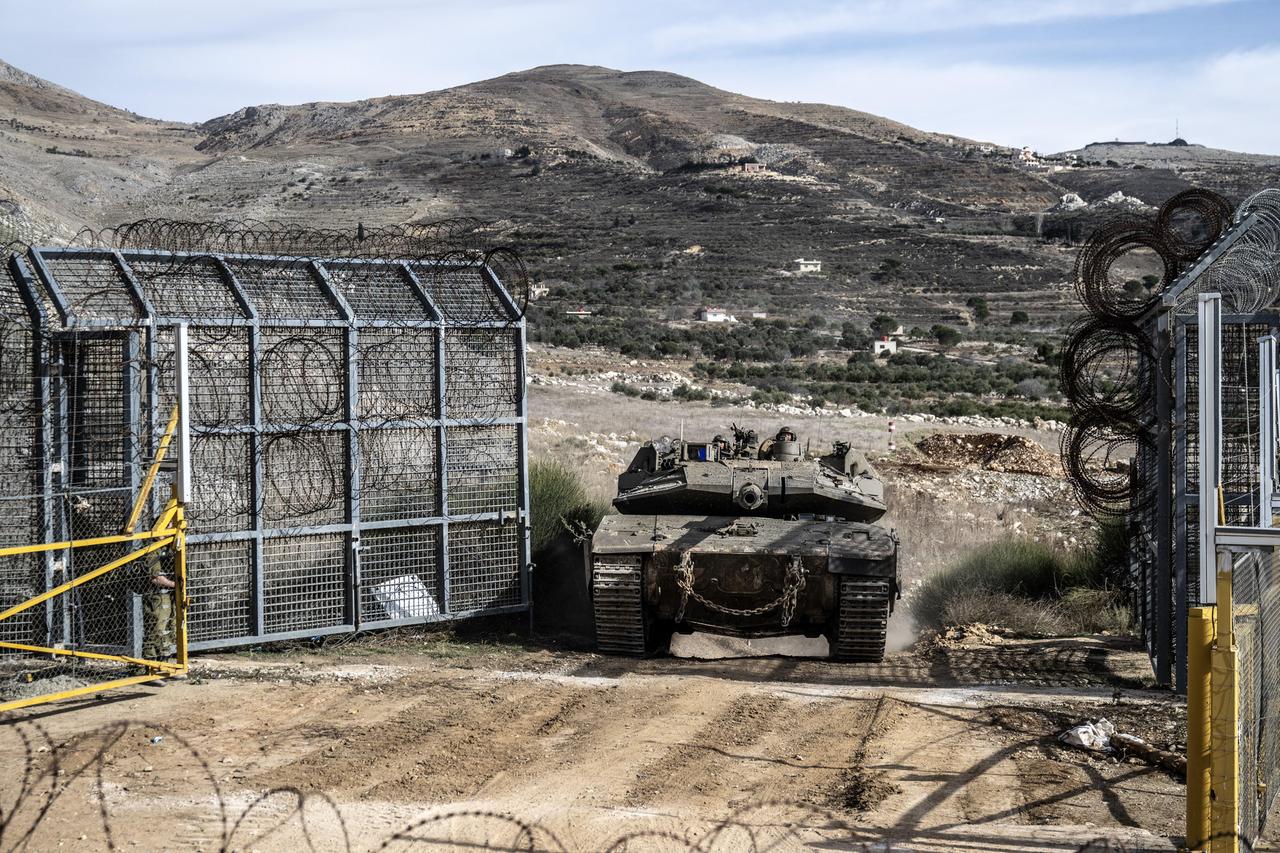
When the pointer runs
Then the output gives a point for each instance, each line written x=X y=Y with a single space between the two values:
x=863 y=620
x=622 y=625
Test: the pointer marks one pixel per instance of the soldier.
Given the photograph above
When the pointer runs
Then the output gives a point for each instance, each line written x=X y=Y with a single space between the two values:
x=157 y=609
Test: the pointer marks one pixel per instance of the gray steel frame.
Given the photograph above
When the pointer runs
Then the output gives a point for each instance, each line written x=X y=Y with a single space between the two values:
x=148 y=320
x=1164 y=580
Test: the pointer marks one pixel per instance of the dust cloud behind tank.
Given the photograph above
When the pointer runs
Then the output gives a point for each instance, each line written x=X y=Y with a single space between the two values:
x=746 y=538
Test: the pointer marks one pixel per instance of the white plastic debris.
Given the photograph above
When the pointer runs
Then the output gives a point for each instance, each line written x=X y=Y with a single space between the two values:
x=406 y=597
x=1095 y=737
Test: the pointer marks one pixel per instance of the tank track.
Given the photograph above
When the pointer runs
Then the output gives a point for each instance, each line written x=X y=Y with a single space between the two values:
x=863 y=620
x=617 y=596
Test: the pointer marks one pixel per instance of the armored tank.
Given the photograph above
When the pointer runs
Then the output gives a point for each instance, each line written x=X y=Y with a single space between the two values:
x=745 y=538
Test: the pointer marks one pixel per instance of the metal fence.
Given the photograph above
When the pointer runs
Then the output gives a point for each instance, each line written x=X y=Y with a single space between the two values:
x=1131 y=374
x=1238 y=572
x=358 y=429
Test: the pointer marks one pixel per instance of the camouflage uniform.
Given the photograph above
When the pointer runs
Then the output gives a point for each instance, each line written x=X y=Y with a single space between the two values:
x=157 y=612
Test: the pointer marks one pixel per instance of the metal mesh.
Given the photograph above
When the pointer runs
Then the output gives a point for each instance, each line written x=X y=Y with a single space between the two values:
x=316 y=442
x=495 y=391
x=221 y=480
x=20 y=464
x=302 y=477
x=1240 y=420
x=483 y=566
x=196 y=287
x=397 y=374
x=283 y=290
x=378 y=292
x=221 y=589
x=1256 y=623
x=94 y=287
x=483 y=469
x=399 y=474
x=303 y=582
x=400 y=574
x=461 y=292
x=301 y=376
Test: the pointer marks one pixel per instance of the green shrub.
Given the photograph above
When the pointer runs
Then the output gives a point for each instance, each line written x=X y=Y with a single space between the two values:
x=558 y=502
x=688 y=392
x=1032 y=588
x=1020 y=567
x=1092 y=611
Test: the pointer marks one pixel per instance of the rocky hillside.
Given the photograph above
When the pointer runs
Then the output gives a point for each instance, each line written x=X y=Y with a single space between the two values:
x=627 y=191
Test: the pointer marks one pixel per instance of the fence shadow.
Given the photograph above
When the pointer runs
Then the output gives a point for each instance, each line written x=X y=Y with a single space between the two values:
x=45 y=799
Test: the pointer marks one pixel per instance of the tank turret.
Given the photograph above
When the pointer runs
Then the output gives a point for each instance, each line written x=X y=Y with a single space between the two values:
x=773 y=479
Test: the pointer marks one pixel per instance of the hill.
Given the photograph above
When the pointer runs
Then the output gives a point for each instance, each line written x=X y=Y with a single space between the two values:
x=641 y=194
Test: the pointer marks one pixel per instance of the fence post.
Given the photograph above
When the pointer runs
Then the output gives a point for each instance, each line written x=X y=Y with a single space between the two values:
x=1225 y=711
x=182 y=493
x=1199 y=783
x=1266 y=427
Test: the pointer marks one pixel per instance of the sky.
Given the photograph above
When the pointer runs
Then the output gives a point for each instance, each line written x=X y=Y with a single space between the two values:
x=1051 y=74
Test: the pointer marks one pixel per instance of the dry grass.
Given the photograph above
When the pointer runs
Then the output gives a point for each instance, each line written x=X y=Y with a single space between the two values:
x=1024 y=616
x=1026 y=587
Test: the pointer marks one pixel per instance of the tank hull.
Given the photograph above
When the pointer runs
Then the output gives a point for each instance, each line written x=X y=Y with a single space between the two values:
x=692 y=500
x=742 y=576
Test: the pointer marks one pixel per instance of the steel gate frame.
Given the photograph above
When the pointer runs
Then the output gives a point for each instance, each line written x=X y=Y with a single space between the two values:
x=348 y=426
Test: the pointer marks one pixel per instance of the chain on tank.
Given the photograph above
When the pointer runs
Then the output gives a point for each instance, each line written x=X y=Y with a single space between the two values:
x=792 y=584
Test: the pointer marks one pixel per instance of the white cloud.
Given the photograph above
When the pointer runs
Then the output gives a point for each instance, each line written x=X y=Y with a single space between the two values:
x=782 y=23
x=214 y=59
x=1222 y=102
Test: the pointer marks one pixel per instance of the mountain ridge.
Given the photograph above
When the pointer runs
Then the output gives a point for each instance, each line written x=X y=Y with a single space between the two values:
x=604 y=179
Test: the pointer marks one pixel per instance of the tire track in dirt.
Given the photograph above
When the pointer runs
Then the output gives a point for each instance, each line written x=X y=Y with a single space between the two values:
x=695 y=768
x=448 y=745
x=961 y=771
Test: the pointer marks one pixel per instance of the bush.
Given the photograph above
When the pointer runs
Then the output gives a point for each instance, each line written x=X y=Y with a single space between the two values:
x=1092 y=611
x=883 y=324
x=557 y=502
x=1030 y=588
x=981 y=311
x=945 y=335
x=1020 y=567
x=688 y=392
x=1020 y=615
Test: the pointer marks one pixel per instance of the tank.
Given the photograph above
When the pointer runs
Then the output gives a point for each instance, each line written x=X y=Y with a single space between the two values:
x=745 y=538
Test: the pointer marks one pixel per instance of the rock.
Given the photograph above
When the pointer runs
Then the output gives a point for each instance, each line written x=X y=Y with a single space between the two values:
x=1070 y=201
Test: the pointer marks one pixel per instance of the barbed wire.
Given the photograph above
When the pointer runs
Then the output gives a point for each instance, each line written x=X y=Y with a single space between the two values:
x=1110 y=371
x=222 y=820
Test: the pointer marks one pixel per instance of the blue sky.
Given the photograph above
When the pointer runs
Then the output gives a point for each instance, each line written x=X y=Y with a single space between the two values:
x=1053 y=74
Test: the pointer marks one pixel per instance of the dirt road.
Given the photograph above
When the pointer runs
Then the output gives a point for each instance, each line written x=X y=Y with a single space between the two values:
x=449 y=744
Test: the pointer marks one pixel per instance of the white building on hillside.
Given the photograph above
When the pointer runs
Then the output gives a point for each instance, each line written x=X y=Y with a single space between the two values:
x=716 y=315
x=804 y=266
x=886 y=344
